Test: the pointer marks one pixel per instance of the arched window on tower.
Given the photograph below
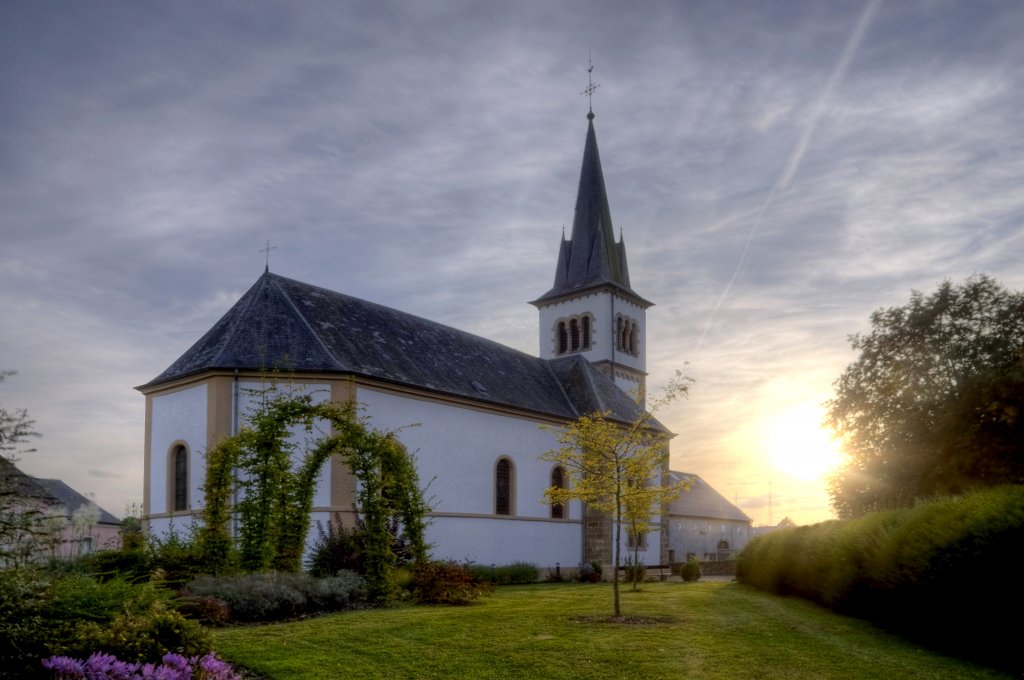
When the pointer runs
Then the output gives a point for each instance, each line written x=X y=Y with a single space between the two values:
x=586 y=332
x=634 y=336
x=574 y=334
x=503 y=486
x=179 y=466
x=563 y=338
x=558 y=510
x=619 y=330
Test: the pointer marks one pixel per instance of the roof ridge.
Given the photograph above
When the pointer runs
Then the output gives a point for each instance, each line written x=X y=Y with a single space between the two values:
x=423 y=319
x=305 y=321
x=561 y=388
x=235 y=322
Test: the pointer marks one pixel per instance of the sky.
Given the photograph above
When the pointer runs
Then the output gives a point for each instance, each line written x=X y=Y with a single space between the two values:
x=779 y=169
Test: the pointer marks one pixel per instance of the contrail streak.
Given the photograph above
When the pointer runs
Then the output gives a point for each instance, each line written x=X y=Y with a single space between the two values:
x=797 y=155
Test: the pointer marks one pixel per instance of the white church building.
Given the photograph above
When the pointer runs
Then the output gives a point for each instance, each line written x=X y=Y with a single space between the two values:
x=478 y=405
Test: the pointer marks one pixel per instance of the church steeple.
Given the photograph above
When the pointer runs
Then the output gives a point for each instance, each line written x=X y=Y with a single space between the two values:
x=591 y=258
x=592 y=309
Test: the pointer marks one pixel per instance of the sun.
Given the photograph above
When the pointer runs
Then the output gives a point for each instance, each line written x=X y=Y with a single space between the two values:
x=798 y=445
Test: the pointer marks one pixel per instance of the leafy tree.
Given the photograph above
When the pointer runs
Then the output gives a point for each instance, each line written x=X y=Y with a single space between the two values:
x=934 y=405
x=25 y=525
x=15 y=429
x=618 y=468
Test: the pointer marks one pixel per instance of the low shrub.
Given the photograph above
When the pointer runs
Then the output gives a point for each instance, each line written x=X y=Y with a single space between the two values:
x=277 y=596
x=206 y=609
x=176 y=560
x=517 y=573
x=345 y=589
x=335 y=548
x=24 y=625
x=83 y=598
x=133 y=565
x=446 y=582
x=140 y=636
x=690 y=570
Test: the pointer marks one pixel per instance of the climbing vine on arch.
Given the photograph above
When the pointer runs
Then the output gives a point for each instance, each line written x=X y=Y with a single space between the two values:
x=276 y=483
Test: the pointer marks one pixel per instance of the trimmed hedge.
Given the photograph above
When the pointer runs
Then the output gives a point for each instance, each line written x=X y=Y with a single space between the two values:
x=517 y=573
x=941 y=573
x=274 y=596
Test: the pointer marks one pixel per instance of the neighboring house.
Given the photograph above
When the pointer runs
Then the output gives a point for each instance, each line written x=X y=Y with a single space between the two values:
x=786 y=523
x=704 y=524
x=479 y=406
x=52 y=519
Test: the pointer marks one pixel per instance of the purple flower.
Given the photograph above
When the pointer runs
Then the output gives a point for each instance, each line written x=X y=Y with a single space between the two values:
x=64 y=667
x=103 y=666
x=176 y=661
x=212 y=668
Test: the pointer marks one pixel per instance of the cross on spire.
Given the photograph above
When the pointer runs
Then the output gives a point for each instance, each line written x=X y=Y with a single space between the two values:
x=591 y=86
x=267 y=251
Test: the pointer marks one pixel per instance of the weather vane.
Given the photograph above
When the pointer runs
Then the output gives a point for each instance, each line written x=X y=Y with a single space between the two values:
x=591 y=86
x=267 y=251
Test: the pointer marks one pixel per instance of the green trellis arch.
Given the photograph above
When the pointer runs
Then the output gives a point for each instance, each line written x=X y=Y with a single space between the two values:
x=274 y=513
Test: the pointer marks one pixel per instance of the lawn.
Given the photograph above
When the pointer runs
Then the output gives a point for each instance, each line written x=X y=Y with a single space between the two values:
x=703 y=630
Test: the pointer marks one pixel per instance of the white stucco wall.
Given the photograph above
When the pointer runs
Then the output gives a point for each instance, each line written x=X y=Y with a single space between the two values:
x=456 y=449
x=248 y=398
x=178 y=418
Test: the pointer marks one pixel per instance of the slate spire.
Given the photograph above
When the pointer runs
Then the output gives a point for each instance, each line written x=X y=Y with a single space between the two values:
x=591 y=257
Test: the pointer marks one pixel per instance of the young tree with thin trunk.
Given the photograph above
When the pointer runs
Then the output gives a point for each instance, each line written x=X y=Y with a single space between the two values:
x=618 y=468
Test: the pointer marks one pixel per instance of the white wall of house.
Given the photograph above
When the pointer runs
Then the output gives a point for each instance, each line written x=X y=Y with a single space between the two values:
x=456 y=450
x=178 y=418
x=701 y=536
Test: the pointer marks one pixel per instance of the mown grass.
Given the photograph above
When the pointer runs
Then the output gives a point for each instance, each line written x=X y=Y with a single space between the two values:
x=713 y=630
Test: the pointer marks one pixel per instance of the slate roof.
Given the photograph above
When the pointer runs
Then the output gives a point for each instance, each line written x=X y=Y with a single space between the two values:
x=703 y=501
x=299 y=328
x=72 y=500
x=50 y=490
x=591 y=258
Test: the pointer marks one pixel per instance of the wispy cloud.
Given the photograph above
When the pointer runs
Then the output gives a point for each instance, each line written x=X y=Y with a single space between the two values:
x=778 y=172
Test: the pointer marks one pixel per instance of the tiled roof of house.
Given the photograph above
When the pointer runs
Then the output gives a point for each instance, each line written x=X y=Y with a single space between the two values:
x=703 y=501
x=295 y=327
x=50 y=490
x=72 y=500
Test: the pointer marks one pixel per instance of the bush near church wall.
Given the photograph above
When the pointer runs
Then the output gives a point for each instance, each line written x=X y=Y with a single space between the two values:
x=517 y=573
x=939 y=572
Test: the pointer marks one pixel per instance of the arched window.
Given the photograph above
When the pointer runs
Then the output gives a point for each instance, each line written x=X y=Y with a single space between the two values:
x=563 y=338
x=586 y=332
x=634 y=336
x=624 y=340
x=558 y=481
x=618 y=332
x=636 y=540
x=179 y=466
x=503 y=487
x=574 y=334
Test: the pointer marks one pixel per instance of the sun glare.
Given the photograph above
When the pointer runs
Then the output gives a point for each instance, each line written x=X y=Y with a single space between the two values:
x=797 y=444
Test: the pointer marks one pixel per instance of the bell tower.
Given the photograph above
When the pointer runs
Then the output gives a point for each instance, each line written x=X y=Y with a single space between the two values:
x=592 y=310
